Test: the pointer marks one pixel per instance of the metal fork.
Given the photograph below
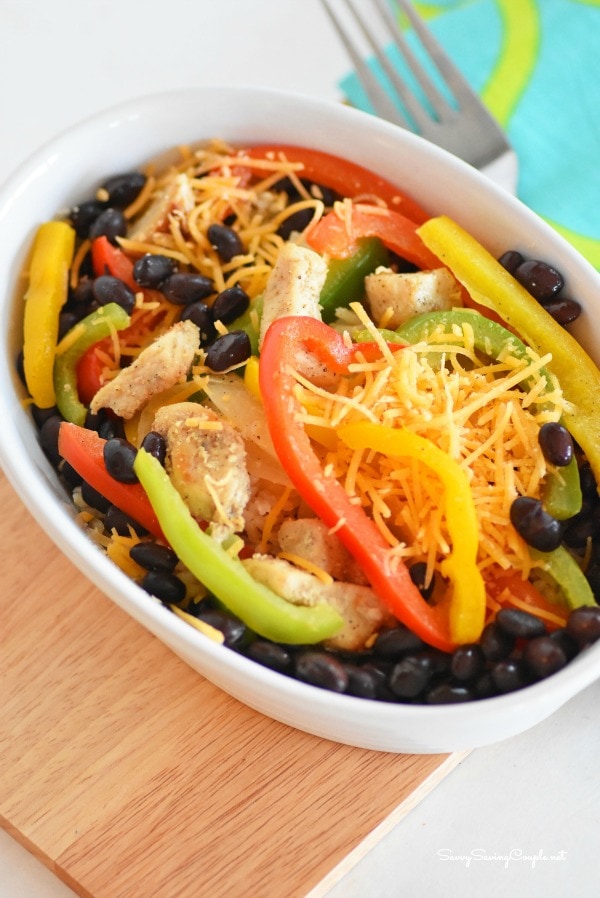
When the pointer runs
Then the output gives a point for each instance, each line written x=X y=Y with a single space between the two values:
x=455 y=119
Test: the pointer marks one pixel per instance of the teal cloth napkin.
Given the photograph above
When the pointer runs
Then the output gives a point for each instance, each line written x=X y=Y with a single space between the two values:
x=536 y=66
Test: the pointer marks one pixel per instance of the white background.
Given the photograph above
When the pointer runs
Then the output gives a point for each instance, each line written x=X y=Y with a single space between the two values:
x=494 y=825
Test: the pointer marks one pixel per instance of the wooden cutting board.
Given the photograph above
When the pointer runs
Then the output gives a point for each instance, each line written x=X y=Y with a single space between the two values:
x=131 y=776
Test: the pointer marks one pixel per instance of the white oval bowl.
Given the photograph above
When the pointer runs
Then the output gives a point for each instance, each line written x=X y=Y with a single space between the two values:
x=66 y=170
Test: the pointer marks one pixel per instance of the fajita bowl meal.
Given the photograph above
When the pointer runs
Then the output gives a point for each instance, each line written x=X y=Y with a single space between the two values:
x=338 y=444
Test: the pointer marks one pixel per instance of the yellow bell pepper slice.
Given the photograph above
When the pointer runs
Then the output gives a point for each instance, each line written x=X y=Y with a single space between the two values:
x=493 y=287
x=46 y=294
x=251 y=377
x=467 y=602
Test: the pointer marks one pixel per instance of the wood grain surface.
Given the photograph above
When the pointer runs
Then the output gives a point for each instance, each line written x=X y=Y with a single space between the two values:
x=131 y=776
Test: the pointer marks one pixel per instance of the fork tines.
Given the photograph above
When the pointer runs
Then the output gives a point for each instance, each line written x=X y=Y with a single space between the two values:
x=431 y=98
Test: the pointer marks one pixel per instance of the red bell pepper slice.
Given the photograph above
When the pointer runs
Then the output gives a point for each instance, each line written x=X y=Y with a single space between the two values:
x=109 y=259
x=553 y=614
x=345 y=177
x=280 y=355
x=89 y=372
x=338 y=238
x=83 y=449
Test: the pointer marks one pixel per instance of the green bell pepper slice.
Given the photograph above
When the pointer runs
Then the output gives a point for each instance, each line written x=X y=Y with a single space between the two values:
x=489 y=337
x=345 y=281
x=224 y=575
x=568 y=576
x=561 y=492
x=249 y=321
x=90 y=330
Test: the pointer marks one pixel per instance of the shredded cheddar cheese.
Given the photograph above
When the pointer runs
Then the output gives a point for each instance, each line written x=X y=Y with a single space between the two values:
x=272 y=517
x=199 y=624
x=205 y=186
x=470 y=407
x=306 y=565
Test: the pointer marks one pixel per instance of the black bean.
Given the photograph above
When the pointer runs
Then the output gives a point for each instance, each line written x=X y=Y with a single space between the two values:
x=154 y=557
x=225 y=241
x=70 y=475
x=436 y=661
x=448 y=694
x=362 y=682
x=319 y=191
x=297 y=221
x=583 y=624
x=230 y=349
x=121 y=190
x=111 y=223
x=110 y=428
x=484 y=686
x=86 y=266
x=396 y=642
x=41 y=415
x=68 y=319
x=287 y=186
x=567 y=643
x=510 y=260
x=183 y=287
x=409 y=677
x=115 y=519
x=165 y=586
x=235 y=633
x=495 y=643
x=201 y=315
x=84 y=215
x=155 y=444
x=540 y=279
x=321 y=669
x=107 y=288
x=468 y=662
x=418 y=573
x=509 y=675
x=119 y=456
x=49 y=438
x=270 y=654
x=380 y=670
x=230 y=304
x=94 y=420
x=520 y=623
x=556 y=443
x=544 y=656
x=94 y=499
x=563 y=310
x=152 y=269
x=533 y=523
x=83 y=293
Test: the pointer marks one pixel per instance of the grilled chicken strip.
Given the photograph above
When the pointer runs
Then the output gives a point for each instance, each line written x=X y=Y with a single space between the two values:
x=159 y=366
x=206 y=461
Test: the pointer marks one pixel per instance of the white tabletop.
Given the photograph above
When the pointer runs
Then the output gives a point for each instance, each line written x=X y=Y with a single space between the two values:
x=517 y=818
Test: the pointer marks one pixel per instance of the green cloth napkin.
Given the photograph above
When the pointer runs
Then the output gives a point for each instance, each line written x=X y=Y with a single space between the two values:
x=536 y=65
